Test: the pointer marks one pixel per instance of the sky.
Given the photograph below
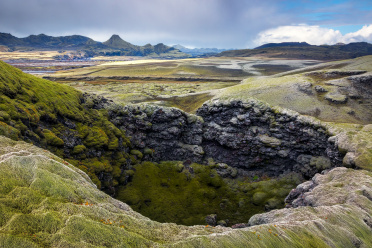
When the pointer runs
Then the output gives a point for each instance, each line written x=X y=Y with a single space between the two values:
x=193 y=23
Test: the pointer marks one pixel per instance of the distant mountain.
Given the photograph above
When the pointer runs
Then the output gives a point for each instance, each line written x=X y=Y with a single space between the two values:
x=116 y=42
x=115 y=46
x=198 y=51
x=297 y=50
x=43 y=41
x=284 y=44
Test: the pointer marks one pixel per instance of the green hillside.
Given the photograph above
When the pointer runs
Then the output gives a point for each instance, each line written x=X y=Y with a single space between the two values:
x=337 y=91
x=58 y=118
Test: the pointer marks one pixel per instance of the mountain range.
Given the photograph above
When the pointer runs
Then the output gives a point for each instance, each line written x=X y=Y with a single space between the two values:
x=115 y=46
x=303 y=50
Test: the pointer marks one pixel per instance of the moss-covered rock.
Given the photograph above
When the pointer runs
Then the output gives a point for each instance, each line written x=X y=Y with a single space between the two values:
x=355 y=141
x=52 y=139
x=321 y=163
x=79 y=149
x=9 y=131
x=336 y=98
x=259 y=198
x=269 y=141
x=93 y=136
x=137 y=153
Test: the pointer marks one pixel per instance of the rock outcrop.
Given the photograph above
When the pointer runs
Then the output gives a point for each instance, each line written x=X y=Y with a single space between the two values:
x=250 y=136
x=335 y=204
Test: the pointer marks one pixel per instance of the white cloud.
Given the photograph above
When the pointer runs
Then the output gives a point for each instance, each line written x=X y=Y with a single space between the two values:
x=364 y=34
x=200 y=23
x=314 y=35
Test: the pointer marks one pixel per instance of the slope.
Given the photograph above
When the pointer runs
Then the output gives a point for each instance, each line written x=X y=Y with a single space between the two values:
x=62 y=120
x=335 y=91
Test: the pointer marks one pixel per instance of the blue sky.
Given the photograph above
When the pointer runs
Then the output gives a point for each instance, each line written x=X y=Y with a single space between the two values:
x=193 y=23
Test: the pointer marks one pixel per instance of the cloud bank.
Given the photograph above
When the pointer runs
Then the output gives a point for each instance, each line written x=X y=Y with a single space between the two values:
x=314 y=35
x=221 y=23
x=196 y=23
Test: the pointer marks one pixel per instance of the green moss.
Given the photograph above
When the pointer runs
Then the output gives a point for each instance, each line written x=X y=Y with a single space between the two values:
x=113 y=144
x=9 y=131
x=170 y=192
x=137 y=153
x=79 y=149
x=364 y=160
x=49 y=114
x=52 y=139
x=321 y=163
x=4 y=116
x=93 y=136
x=34 y=223
x=148 y=151
x=259 y=198
x=15 y=241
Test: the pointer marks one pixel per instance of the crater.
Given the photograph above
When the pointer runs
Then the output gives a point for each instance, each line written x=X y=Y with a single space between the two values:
x=229 y=161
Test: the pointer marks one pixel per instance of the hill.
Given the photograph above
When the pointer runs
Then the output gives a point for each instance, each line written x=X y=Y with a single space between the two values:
x=335 y=91
x=116 y=42
x=43 y=41
x=284 y=44
x=115 y=46
x=294 y=50
x=60 y=119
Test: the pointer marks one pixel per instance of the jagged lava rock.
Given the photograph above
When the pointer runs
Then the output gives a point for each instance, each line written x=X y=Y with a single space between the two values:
x=250 y=136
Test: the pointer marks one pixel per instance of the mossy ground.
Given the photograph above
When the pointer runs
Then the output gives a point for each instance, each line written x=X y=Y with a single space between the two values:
x=37 y=111
x=356 y=139
x=45 y=202
x=187 y=96
x=171 y=192
x=164 y=89
x=297 y=92
x=174 y=68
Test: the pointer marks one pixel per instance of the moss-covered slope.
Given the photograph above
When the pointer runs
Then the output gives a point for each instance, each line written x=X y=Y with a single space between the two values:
x=336 y=91
x=46 y=202
x=58 y=118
